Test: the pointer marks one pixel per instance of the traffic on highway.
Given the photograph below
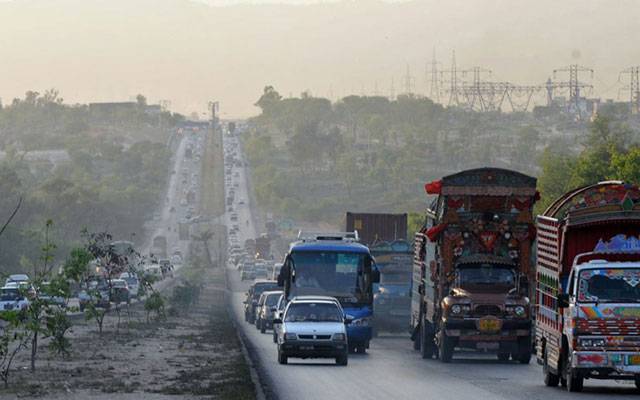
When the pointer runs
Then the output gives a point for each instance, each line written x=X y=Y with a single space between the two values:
x=463 y=294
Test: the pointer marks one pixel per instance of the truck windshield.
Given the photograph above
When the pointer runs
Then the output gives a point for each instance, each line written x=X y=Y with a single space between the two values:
x=336 y=274
x=313 y=312
x=395 y=278
x=609 y=285
x=485 y=274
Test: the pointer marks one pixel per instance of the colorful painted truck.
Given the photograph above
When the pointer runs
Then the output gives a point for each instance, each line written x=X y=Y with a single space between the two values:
x=588 y=286
x=472 y=266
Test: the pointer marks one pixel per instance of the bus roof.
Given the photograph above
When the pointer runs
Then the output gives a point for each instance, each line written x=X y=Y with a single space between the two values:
x=346 y=247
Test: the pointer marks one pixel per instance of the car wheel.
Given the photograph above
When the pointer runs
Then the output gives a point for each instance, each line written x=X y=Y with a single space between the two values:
x=282 y=359
x=343 y=359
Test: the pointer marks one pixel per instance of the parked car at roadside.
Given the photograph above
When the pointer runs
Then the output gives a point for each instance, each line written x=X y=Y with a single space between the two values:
x=94 y=292
x=132 y=282
x=48 y=294
x=12 y=297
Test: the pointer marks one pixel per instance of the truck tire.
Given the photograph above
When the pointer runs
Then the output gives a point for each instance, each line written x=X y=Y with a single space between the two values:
x=275 y=336
x=427 y=344
x=637 y=382
x=524 y=350
x=445 y=347
x=575 y=381
x=550 y=379
x=263 y=327
x=504 y=357
x=416 y=338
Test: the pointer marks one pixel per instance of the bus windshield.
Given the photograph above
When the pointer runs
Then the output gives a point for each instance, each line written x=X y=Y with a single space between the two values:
x=337 y=274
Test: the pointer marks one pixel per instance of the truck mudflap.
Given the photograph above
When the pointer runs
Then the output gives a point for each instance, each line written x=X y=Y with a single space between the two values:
x=617 y=363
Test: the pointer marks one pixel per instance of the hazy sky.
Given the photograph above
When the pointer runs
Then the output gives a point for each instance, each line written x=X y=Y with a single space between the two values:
x=189 y=52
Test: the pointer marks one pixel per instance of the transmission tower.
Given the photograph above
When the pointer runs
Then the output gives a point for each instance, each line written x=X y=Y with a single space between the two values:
x=453 y=82
x=573 y=84
x=392 y=91
x=434 y=87
x=633 y=87
x=479 y=94
x=408 y=81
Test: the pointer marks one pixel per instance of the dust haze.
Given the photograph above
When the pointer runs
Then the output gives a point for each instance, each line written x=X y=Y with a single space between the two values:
x=188 y=52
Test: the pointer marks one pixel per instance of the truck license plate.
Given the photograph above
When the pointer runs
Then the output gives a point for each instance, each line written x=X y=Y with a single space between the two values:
x=489 y=325
x=306 y=347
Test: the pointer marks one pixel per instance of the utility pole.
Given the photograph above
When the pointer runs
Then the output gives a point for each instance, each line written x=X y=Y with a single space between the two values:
x=633 y=87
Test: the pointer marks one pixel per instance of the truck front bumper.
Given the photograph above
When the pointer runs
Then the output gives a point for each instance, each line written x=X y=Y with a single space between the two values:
x=607 y=364
x=508 y=339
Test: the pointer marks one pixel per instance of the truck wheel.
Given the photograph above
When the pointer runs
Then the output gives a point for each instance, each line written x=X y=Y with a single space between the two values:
x=263 y=327
x=575 y=381
x=275 y=337
x=524 y=350
x=637 y=381
x=550 y=379
x=258 y=323
x=343 y=359
x=503 y=356
x=416 y=338
x=282 y=359
x=445 y=347
x=427 y=345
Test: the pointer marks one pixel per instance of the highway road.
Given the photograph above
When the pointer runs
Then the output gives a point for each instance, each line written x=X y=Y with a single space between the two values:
x=392 y=369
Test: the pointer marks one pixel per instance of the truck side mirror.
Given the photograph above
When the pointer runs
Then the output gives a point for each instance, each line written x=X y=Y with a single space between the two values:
x=563 y=300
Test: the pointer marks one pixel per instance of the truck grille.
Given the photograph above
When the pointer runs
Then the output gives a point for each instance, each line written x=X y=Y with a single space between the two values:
x=485 y=310
x=607 y=327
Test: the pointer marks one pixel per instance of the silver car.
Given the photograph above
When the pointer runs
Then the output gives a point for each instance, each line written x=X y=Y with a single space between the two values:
x=313 y=328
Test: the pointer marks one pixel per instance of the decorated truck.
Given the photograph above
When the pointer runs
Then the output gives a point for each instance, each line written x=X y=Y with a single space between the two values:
x=472 y=266
x=588 y=286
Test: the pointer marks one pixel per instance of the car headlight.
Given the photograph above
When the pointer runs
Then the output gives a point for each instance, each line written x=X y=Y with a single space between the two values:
x=365 y=321
x=456 y=309
x=290 y=336
x=339 y=337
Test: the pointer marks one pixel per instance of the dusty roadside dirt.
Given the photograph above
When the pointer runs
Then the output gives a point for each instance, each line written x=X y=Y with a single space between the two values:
x=195 y=354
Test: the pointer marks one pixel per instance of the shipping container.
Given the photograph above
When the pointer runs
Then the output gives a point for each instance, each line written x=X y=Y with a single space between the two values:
x=373 y=228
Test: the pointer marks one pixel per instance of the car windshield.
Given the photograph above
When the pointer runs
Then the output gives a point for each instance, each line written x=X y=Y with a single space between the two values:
x=485 y=274
x=609 y=285
x=131 y=280
x=336 y=274
x=9 y=294
x=259 y=289
x=313 y=312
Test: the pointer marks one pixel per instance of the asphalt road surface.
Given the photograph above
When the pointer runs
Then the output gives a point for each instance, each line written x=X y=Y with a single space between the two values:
x=392 y=369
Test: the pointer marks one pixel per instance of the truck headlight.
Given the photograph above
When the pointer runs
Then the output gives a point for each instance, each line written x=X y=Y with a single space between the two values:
x=519 y=311
x=290 y=336
x=598 y=342
x=456 y=309
x=339 y=337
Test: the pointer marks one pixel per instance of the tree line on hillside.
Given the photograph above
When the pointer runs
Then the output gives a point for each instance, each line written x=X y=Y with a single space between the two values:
x=312 y=159
x=113 y=176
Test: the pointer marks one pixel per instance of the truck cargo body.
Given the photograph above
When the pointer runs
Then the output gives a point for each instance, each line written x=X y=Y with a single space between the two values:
x=373 y=228
x=587 y=292
x=472 y=266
